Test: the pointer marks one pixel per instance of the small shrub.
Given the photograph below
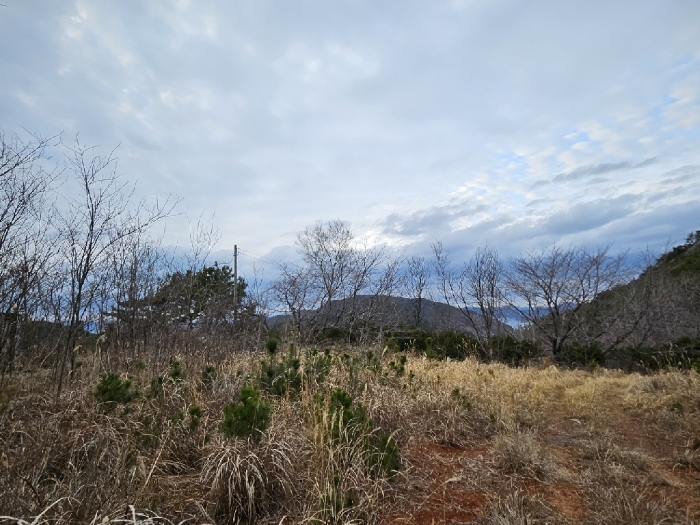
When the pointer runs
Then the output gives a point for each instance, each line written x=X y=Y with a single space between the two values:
x=460 y=398
x=579 y=355
x=281 y=378
x=195 y=416
x=334 y=334
x=695 y=365
x=112 y=389
x=384 y=459
x=176 y=373
x=317 y=366
x=156 y=390
x=335 y=503
x=513 y=351
x=352 y=419
x=351 y=426
x=271 y=346
x=399 y=366
x=208 y=377
x=249 y=415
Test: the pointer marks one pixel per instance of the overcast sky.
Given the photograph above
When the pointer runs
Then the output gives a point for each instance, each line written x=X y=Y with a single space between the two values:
x=512 y=123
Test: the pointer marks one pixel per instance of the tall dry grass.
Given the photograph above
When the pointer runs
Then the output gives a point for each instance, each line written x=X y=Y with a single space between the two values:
x=162 y=457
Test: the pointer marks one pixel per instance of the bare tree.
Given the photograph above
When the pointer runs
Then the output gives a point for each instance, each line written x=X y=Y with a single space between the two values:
x=384 y=279
x=330 y=258
x=416 y=284
x=255 y=308
x=340 y=282
x=656 y=309
x=556 y=290
x=480 y=289
x=25 y=246
x=136 y=268
x=91 y=223
x=477 y=290
x=297 y=292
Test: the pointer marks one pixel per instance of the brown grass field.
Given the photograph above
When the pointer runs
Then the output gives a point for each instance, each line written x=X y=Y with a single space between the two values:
x=478 y=443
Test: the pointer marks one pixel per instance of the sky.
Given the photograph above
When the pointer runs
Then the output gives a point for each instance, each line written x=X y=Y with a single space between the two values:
x=501 y=122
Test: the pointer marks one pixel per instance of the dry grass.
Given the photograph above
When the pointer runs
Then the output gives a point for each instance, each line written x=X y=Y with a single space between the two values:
x=624 y=504
x=513 y=508
x=478 y=443
x=522 y=452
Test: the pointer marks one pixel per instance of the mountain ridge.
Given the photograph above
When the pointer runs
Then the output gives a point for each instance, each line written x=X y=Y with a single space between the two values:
x=393 y=311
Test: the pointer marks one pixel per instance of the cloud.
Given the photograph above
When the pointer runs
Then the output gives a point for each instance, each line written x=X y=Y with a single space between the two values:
x=588 y=216
x=431 y=220
x=472 y=122
x=600 y=169
x=683 y=174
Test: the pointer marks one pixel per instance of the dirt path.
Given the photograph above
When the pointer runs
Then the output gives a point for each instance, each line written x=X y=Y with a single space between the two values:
x=598 y=466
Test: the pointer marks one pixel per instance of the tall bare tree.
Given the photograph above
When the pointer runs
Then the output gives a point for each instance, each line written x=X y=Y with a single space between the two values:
x=25 y=245
x=136 y=267
x=92 y=222
x=417 y=284
x=477 y=290
x=555 y=290
x=341 y=280
x=296 y=291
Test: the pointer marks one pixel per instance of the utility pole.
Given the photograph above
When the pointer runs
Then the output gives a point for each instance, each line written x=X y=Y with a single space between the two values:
x=235 y=282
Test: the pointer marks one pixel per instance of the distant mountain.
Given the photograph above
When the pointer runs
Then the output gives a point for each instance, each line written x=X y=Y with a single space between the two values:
x=391 y=311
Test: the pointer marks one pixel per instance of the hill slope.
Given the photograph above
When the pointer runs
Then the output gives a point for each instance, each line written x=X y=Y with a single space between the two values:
x=391 y=311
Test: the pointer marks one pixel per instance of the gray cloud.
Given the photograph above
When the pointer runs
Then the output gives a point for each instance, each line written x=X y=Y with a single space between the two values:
x=587 y=216
x=600 y=169
x=682 y=174
x=429 y=221
x=276 y=115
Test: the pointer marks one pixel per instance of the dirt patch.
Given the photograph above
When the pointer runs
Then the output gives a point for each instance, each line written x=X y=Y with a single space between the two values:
x=567 y=500
x=441 y=484
x=449 y=484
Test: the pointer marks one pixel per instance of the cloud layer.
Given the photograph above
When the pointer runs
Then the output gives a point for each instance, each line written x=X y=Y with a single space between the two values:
x=505 y=122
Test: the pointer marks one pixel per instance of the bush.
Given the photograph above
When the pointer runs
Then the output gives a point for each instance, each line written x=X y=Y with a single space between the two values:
x=581 y=355
x=208 y=377
x=195 y=416
x=271 y=346
x=435 y=345
x=335 y=503
x=317 y=366
x=384 y=459
x=176 y=373
x=335 y=334
x=281 y=378
x=513 y=351
x=683 y=353
x=453 y=345
x=156 y=388
x=399 y=366
x=112 y=389
x=352 y=426
x=248 y=416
